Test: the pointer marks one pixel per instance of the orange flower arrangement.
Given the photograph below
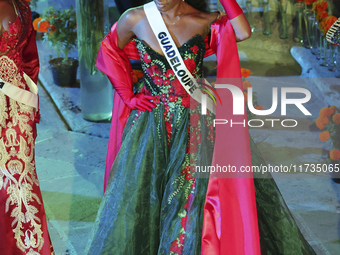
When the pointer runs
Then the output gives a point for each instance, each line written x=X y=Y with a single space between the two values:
x=321 y=122
x=324 y=136
x=325 y=112
x=60 y=28
x=321 y=15
x=41 y=26
x=326 y=23
x=319 y=6
x=333 y=108
x=336 y=118
x=334 y=154
x=330 y=121
x=245 y=72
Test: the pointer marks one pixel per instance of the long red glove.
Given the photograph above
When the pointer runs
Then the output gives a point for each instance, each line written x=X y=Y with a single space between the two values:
x=111 y=57
x=231 y=8
x=139 y=101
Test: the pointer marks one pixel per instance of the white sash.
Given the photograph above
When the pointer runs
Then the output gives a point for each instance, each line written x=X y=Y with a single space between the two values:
x=23 y=96
x=172 y=55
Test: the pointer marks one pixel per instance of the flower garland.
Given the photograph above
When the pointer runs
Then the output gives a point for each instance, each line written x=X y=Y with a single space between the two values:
x=329 y=121
x=322 y=16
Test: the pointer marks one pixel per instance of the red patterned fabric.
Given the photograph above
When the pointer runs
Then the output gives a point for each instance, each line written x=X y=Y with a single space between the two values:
x=22 y=215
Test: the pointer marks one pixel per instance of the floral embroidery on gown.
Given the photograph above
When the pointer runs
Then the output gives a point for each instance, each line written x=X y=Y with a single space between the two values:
x=152 y=191
x=22 y=215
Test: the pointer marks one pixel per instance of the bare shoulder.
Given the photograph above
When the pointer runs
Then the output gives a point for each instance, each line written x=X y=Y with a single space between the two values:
x=127 y=25
x=132 y=16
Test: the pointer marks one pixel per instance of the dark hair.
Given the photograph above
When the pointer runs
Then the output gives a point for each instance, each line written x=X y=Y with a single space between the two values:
x=200 y=5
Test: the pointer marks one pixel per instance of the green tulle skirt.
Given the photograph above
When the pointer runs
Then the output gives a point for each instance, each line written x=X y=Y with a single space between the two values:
x=146 y=210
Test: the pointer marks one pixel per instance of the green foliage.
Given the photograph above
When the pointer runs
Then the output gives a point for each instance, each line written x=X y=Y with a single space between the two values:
x=62 y=30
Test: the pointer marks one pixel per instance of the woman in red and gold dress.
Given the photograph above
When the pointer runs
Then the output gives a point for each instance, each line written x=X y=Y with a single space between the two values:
x=22 y=216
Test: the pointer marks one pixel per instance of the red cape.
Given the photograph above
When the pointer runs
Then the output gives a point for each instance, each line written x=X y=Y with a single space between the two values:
x=230 y=218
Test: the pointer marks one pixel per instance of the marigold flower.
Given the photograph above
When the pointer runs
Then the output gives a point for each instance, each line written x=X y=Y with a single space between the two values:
x=336 y=118
x=321 y=121
x=321 y=15
x=328 y=22
x=325 y=112
x=319 y=124
x=320 y=6
x=324 y=136
x=246 y=85
x=245 y=72
x=334 y=154
x=41 y=26
x=333 y=108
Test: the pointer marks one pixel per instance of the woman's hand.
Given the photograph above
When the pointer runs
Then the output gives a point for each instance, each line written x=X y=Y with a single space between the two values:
x=141 y=101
